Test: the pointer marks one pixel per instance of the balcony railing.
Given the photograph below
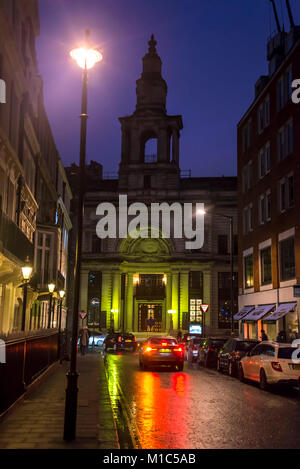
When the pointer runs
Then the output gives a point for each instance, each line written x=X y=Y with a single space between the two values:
x=150 y=292
x=13 y=239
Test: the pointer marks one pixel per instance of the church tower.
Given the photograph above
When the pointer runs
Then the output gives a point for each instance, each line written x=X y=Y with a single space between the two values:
x=150 y=138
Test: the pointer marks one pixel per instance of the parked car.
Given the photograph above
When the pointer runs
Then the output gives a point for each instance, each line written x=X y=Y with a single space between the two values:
x=97 y=338
x=231 y=353
x=209 y=350
x=161 y=351
x=120 y=341
x=192 y=348
x=270 y=363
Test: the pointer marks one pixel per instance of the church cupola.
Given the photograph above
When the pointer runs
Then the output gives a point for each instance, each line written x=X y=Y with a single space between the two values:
x=150 y=137
x=151 y=89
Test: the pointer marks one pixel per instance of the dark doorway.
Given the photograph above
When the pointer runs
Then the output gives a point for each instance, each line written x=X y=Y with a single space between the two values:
x=150 y=317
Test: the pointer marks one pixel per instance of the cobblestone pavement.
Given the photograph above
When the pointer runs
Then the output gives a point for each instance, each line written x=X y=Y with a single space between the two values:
x=37 y=423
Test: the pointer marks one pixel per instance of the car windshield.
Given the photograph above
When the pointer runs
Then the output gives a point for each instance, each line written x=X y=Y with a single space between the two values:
x=286 y=352
x=244 y=346
x=160 y=340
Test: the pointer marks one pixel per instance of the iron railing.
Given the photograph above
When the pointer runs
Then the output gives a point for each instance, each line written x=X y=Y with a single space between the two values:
x=25 y=359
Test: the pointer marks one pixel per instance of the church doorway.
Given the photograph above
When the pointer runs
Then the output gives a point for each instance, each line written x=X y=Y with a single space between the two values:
x=150 y=317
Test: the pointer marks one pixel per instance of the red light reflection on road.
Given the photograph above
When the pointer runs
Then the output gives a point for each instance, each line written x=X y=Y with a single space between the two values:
x=161 y=403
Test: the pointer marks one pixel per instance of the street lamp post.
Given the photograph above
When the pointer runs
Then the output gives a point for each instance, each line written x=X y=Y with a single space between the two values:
x=86 y=57
x=26 y=272
x=51 y=288
x=61 y=295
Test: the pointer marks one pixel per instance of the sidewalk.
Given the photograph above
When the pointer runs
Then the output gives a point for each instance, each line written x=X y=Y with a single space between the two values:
x=39 y=420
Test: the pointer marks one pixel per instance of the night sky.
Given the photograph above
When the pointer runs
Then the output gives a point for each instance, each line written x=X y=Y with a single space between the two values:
x=213 y=51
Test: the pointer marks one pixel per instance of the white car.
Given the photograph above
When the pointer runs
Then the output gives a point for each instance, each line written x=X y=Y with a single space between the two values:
x=271 y=363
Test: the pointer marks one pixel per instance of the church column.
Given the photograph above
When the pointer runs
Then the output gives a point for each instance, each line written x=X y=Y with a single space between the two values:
x=106 y=296
x=129 y=303
x=162 y=146
x=175 y=297
x=184 y=295
x=116 y=297
x=134 y=146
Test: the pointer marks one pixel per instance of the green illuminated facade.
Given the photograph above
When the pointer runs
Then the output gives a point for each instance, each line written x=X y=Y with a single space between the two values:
x=155 y=285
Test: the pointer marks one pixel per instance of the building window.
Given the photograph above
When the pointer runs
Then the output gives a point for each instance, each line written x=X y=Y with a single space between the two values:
x=222 y=244
x=247 y=176
x=264 y=207
x=287 y=259
x=224 y=299
x=195 y=310
x=286 y=140
x=247 y=135
x=147 y=182
x=264 y=115
x=248 y=268
x=266 y=266
x=196 y=282
x=286 y=193
x=264 y=161
x=248 y=221
x=43 y=258
x=284 y=89
x=268 y=205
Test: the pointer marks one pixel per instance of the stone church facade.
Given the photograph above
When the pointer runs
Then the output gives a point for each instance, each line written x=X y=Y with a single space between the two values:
x=155 y=285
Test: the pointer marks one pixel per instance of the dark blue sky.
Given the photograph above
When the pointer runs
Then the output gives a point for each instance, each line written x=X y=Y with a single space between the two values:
x=212 y=51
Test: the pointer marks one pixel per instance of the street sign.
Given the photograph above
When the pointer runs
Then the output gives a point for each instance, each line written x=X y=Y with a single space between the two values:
x=83 y=315
x=296 y=291
x=204 y=307
x=95 y=301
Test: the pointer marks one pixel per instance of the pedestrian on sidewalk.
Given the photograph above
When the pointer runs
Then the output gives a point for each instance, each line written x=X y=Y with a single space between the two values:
x=263 y=335
x=84 y=340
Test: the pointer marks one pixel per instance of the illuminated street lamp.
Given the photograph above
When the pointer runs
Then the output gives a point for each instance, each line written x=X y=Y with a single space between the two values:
x=26 y=272
x=86 y=57
x=51 y=288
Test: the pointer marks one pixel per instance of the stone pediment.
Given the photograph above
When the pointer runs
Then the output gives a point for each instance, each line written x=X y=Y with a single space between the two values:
x=145 y=249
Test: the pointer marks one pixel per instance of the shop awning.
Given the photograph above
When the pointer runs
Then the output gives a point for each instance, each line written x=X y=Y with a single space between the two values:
x=245 y=310
x=258 y=312
x=281 y=311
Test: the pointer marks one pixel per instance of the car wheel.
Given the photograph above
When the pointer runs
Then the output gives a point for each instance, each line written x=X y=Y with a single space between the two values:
x=241 y=374
x=263 y=383
x=231 y=369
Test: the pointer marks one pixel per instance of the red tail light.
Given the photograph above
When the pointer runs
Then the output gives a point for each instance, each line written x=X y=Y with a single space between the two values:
x=150 y=349
x=134 y=339
x=178 y=349
x=120 y=339
x=194 y=347
x=276 y=366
